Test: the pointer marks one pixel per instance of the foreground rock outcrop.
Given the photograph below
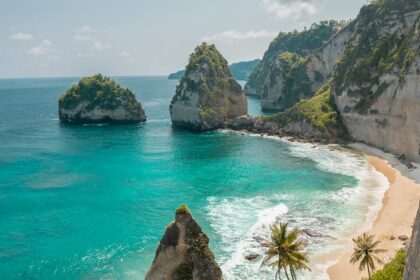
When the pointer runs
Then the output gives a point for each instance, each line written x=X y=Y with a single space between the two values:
x=183 y=252
x=412 y=266
x=207 y=95
x=98 y=99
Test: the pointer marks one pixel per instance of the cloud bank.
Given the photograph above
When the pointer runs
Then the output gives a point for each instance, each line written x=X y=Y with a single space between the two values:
x=285 y=9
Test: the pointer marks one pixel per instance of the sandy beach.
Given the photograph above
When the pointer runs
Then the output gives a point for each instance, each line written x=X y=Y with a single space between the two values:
x=396 y=216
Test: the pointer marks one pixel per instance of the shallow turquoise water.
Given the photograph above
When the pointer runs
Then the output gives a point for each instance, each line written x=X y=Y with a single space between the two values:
x=91 y=202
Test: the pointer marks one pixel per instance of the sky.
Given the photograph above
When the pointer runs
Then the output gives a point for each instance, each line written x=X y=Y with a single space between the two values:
x=58 y=38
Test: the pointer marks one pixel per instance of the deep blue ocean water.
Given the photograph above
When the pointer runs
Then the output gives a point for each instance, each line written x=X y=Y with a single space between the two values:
x=92 y=202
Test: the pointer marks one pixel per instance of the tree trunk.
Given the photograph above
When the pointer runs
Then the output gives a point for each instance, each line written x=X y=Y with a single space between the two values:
x=368 y=272
x=287 y=275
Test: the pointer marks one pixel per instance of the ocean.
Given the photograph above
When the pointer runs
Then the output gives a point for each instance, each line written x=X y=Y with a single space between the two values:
x=92 y=202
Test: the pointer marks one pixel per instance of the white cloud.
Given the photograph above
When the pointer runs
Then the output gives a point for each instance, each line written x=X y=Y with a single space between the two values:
x=284 y=9
x=42 y=49
x=82 y=34
x=85 y=29
x=125 y=53
x=99 y=46
x=234 y=35
x=21 y=36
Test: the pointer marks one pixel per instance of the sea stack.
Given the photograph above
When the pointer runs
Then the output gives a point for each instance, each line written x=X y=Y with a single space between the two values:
x=207 y=95
x=183 y=252
x=98 y=99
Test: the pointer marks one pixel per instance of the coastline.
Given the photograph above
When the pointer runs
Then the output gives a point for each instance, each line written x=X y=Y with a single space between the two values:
x=397 y=213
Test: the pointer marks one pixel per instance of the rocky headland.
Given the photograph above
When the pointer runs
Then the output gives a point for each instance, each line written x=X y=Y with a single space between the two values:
x=183 y=252
x=372 y=94
x=207 y=96
x=98 y=99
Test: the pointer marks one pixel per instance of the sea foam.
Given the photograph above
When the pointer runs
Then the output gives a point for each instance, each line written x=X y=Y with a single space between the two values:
x=246 y=218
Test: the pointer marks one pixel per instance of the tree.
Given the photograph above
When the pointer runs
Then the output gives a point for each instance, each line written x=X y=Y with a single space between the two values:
x=285 y=251
x=365 y=252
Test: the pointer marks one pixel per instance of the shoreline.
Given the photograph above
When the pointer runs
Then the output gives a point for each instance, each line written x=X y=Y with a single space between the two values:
x=396 y=215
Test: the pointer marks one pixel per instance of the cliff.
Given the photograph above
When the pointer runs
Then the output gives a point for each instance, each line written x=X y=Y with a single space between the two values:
x=262 y=82
x=292 y=77
x=314 y=119
x=412 y=267
x=376 y=84
x=240 y=70
x=207 y=95
x=183 y=252
x=98 y=99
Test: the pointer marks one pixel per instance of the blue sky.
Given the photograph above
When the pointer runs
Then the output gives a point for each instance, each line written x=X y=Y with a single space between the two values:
x=44 y=38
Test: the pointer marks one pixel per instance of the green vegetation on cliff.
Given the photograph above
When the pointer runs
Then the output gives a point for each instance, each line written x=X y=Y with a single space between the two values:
x=98 y=91
x=318 y=111
x=296 y=84
x=376 y=50
x=300 y=43
x=210 y=72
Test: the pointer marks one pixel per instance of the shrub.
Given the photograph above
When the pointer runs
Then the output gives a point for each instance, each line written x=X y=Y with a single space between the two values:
x=393 y=270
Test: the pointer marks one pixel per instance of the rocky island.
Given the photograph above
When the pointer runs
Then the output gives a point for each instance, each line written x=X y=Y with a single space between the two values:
x=183 y=252
x=98 y=99
x=207 y=96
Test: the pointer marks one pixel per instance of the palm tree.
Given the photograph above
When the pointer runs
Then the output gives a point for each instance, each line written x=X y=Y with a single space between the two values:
x=284 y=251
x=365 y=251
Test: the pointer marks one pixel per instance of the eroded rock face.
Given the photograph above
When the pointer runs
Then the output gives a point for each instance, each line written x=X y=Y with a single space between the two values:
x=98 y=99
x=183 y=252
x=207 y=95
x=377 y=82
x=293 y=77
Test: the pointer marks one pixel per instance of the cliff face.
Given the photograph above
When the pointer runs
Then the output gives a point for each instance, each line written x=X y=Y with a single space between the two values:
x=183 y=252
x=377 y=82
x=412 y=267
x=99 y=99
x=314 y=119
x=299 y=43
x=207 y=95
x=290 y=80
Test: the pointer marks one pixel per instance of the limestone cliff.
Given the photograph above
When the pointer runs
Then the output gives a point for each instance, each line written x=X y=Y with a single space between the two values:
x=297 y=64
x=377 y=82
x=314 y=119
x=292 y=77
x=98 y=99
x=207 y=95
x=183 y=252
x=412 y=267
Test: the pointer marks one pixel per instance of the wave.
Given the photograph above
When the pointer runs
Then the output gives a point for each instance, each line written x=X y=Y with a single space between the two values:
x=332 y=216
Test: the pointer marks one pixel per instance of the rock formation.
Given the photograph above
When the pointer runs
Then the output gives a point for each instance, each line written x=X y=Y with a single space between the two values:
x=207 y=95
x=375 y=85
x=98 y=99
x=377 y=82
x=412 y=266
x=314 y=119
x=296 y=65
x=183 y=252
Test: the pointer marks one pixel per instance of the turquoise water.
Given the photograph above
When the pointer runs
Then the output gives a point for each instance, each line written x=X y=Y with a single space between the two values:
x=92 y=202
